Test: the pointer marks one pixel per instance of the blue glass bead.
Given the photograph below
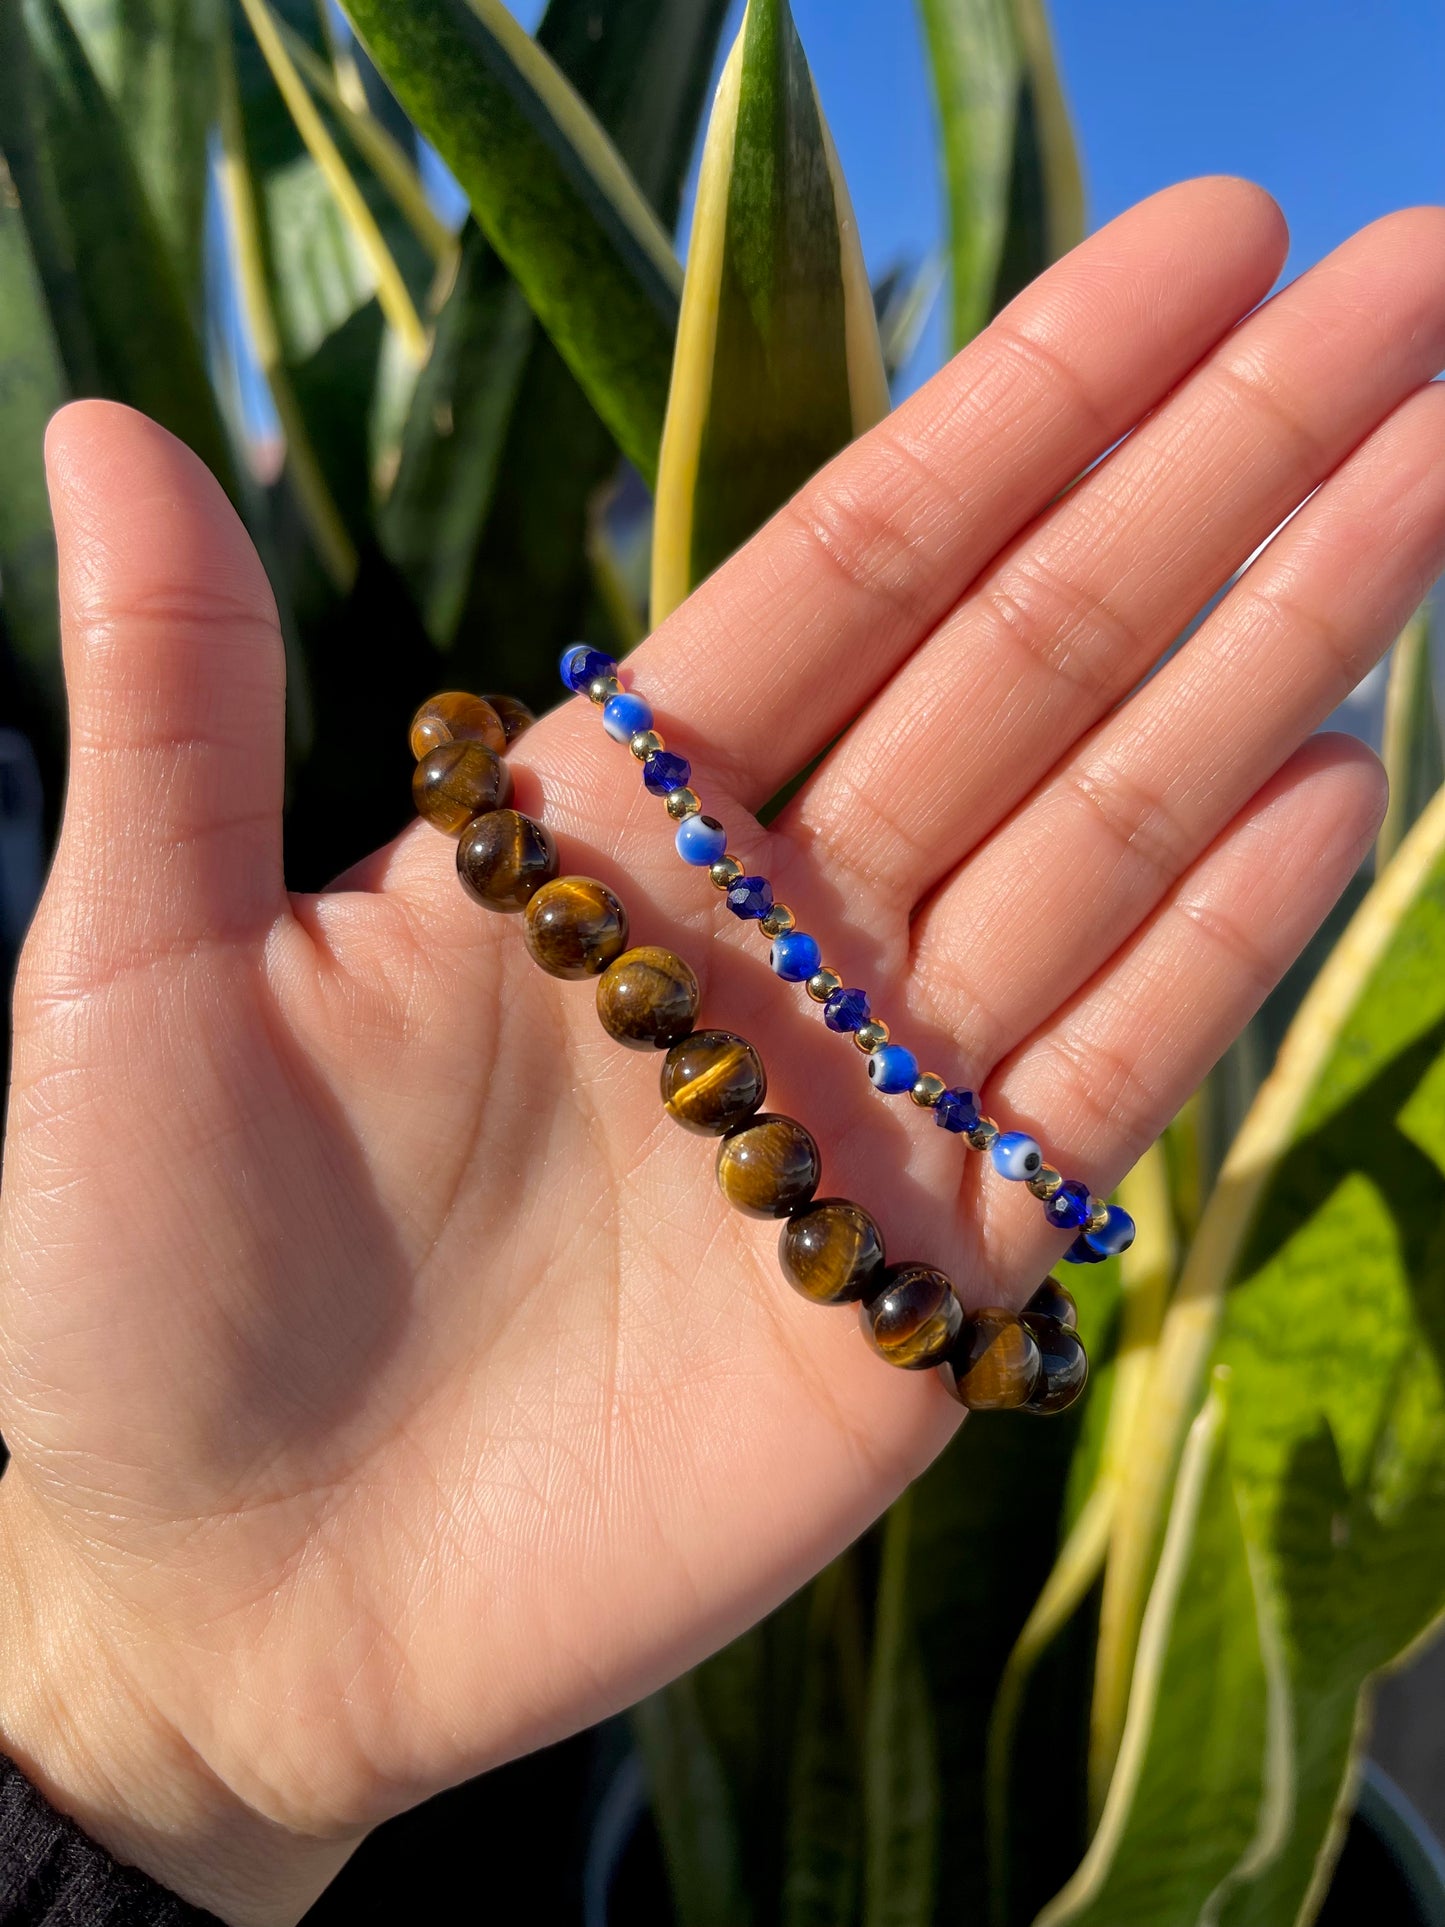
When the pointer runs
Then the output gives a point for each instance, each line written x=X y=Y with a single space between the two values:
x=846 y=1010
x=663 y=772
x=701 y=840
x=1080 y=1252
x=1114 y=1235
x=624 y=715
x=1016 y=1156
x=751 y=898
x=891 y=1068
x=581 y=665
x=795 y=956
x=956 y=1110
x=1068 y=1208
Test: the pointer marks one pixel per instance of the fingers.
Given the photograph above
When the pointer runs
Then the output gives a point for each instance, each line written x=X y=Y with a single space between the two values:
x=1119 y=821
x=1077 y=612
x=1101 y=1080
x=777 y=652
x=173 y=665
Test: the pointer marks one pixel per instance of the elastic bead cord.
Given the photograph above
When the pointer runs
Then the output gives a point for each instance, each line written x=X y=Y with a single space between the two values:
x=712 y=1081
x=1101 y=1230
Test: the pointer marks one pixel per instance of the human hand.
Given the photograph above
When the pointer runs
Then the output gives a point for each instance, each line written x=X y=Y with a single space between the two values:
x=390 y=1389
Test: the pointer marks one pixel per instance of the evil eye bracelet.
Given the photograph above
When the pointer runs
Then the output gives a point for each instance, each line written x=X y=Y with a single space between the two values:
x=1101 y=1230
x=713 y=1083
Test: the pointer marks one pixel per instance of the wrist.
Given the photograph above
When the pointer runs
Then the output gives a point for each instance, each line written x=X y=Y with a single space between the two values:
x=77 y=1722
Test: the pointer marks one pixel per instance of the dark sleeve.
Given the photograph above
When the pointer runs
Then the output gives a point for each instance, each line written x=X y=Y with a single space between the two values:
x=53 y=1875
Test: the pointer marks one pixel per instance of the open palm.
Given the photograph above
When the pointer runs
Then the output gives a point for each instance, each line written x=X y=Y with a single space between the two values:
x=390 y=1388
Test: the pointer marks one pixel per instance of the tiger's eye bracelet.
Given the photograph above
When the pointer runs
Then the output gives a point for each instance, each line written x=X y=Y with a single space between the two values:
x=713 y=1083
x=1102 y=1230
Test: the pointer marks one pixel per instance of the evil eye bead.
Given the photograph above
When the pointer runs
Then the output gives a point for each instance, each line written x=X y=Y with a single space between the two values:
x=1016 y=1156
x=750 y=898
x=1069 y=1207
x=956 y=1110
x=794 y=956
x=1116 y=1234
x=1081 y=1252
x=581 y=665
x=846 y=1010
x=700 y=841
x=663 y=773
x=891 y=1069
x=624 y=714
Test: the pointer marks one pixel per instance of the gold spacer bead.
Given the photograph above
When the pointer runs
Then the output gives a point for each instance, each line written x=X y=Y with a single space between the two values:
x=725 y=872
x=1044 y=1182
x=645 y=743
x=927 y=1091
x=823 y=983
x=983 y=1134
x=1098 y=1215
x=601 y=687
x=869 y=1037
x=683 y=802
x=778 y=922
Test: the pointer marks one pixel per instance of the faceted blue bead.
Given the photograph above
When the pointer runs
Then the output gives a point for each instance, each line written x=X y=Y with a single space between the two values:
x=1016 y=1156
x=1068 y=1208
x=581 y=665
x=1081 y=1253
x=795 y=956
x=1116 y=1234
x=663 y=772
x=846 y=1010
x=751 y=898
x=701 y=840
x=891 y=1068
x=624 y=715
x=957 y=1110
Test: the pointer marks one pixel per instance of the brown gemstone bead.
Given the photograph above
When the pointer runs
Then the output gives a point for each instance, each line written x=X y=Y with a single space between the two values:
x=915 y=1318
x=504 y=858
x=647 y=999
x=457 y=717
x=1063 y=1369
x=832 y=1252
x=1052 y=1301
x=575 y=927
x=712 y=1081
x=995 y=1364
x=514 y=716
x=768 y=1166
x=456 y=781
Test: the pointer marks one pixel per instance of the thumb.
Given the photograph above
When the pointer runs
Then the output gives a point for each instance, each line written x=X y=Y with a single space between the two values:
x=176 y=681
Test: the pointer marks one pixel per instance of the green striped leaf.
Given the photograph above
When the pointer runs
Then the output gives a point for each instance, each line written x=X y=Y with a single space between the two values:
x=550 y=192
x=903 y=1795
x=778 y=363
x=1412 y=751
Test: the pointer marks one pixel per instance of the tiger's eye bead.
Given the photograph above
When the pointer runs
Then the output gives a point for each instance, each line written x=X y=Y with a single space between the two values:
x=683 y=802
x=995 y=1364
x=914 y=1319
x=515 y=717
x=575 y=927
x=712 y=1081
x=1044 y=1182
x=872 y=1035
x=647 y=999
x=832 y=1252
x=769 y=1166
x=822 y=984
x=1063 y=1368
x=927 y=1090
x=779 y=921
x=456 y=717
x=456 y=781
x=504 y=858
x=1053 y=1302
x=725 y=872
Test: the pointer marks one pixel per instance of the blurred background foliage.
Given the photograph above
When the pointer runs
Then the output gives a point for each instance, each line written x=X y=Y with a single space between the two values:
x=1108 y=1669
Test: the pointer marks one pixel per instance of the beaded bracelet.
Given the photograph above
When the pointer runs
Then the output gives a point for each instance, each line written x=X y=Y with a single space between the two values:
x=1102 y=1230
x=713 y=1083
